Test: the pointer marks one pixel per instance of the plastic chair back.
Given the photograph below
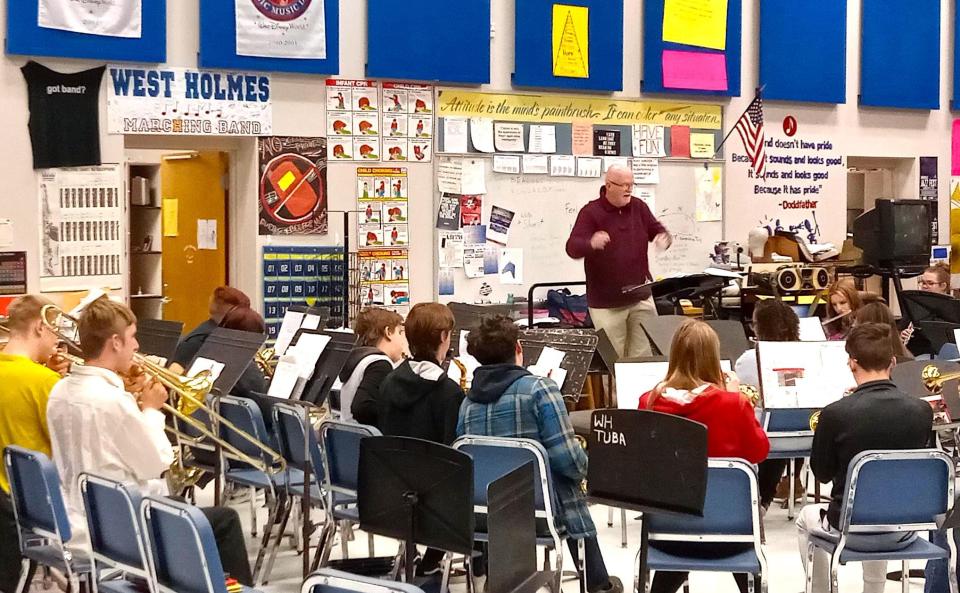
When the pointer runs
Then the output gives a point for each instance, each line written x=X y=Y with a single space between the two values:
x=37 y=497
x=113 y=511
x=289 y=422
x=246 y=416
x=327 y=580
x=495 y=457
x=182 y=551
x=341 y=453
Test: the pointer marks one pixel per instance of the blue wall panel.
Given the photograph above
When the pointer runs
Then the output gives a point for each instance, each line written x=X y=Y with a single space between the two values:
x=25 y=37
x=803 y=50
x=653 y=46
x=218 y=42
x=429 y=40
x=534 y=45
x=900 y=54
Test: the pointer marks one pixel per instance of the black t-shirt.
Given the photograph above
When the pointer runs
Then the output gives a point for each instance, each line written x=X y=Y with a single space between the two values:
x=64 y=116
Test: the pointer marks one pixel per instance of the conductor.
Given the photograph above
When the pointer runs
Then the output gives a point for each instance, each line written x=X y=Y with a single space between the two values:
x=611 y=235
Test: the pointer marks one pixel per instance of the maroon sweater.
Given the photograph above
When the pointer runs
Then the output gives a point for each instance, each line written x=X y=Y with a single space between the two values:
x=623 y=262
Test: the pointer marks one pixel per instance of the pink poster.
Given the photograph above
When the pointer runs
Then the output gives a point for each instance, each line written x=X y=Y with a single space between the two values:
x=695 y=70
x=955 y=153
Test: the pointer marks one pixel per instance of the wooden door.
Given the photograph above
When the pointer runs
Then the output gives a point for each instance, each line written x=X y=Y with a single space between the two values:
x=191 y=269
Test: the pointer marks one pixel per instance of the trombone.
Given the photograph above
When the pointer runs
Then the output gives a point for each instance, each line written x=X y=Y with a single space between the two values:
x=190 y=394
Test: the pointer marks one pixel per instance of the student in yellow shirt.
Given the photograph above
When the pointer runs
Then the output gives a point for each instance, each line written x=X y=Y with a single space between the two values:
x=23 y=410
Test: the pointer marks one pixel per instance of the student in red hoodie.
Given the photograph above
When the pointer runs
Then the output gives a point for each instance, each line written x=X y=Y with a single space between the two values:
x=696 y=388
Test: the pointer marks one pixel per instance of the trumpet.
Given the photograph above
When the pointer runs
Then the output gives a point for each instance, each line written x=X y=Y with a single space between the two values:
x=933 y=380
x=190 y=396
x=266 y=361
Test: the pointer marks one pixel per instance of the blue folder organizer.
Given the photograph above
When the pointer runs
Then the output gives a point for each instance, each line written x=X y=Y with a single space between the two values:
x=900 y=54
x=803 y=50
x=533 y=45
x=654 y=45
x=218 y=42
x=26 y=37
x=429 y=40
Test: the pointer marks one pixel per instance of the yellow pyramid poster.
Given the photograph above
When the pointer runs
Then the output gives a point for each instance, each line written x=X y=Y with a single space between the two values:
x=571 y=41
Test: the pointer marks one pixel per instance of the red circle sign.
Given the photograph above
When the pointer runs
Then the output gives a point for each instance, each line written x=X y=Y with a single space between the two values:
x=790 y=125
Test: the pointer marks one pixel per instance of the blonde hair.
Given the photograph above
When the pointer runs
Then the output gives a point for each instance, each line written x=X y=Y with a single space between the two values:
x=694 y=359
x=99 y=321
x=24 y=312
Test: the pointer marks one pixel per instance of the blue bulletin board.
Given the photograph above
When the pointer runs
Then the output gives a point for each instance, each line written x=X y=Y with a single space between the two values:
x=310 y=276
x=218 y=42
x=533 y=42
x=26 y=37
x=430 y=40
x=813 y=29
x=900 y=54
x=654 y=47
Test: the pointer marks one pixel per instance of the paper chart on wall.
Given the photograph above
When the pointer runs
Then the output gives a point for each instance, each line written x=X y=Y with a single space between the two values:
x=511 y=266
x=646 y=171
x=81 y=230
x=506 y=164
x=383 y=202
x=353 y=120
x=408 y=121
x=508 y=137
x=709 y=194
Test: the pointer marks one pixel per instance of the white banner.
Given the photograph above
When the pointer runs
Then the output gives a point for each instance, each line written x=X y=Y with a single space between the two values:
x=281 y=29
x=183 y=101
x=113 y=18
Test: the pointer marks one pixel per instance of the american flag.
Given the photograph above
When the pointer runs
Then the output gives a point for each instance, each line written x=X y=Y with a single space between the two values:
x=750 y=128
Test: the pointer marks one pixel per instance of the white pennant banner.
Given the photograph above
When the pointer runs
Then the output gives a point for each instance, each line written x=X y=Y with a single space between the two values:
x=281 y=29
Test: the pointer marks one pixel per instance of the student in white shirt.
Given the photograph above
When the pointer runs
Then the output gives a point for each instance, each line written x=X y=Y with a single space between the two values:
x=97 y=426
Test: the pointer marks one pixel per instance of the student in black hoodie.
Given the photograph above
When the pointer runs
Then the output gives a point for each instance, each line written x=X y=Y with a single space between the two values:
x=418 y=399
x=382 y=344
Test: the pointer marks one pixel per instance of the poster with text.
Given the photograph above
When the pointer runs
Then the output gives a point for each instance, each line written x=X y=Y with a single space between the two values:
x=293 y=185
x=116 y=18
x=384 y=278
x=81 y=228
x=353 y=120
x=408 y=122
x=281 y=29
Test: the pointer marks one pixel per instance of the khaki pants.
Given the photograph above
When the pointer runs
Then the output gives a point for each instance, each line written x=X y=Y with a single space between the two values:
x=623 y=326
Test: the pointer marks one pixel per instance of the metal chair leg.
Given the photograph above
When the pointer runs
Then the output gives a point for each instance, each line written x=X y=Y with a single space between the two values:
x=253 y=512
x=446 y=566
x=609 y=516
x=623 y=528
x=370 y=546
x=790 y=493
x=905 y=577
x=265 y=542
x=808 y=586
x=286 y=511
x=344 y=539
x=26 y=567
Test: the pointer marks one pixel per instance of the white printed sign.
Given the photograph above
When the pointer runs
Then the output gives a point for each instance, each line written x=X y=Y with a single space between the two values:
x=111 y=18
x=281 y=29
x=183 y=101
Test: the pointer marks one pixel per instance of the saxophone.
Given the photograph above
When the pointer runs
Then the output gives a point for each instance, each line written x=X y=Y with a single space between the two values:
x=463 y=372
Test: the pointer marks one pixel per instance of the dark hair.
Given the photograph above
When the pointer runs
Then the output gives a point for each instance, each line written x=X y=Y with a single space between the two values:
x=101 y=320
x=24 y=312
x=373 y=323
x=494 y=341
x=244 y=319
x=880 y=313
x=870 y=346
x=425 y=326
x=776 y=322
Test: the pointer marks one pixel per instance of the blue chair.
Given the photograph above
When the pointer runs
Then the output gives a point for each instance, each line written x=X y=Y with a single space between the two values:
x=41 y=517
x=327 y=580
x=493 y=458
x=116 y=539
x=892 y=491
x=291 y=437
x=246 y=416
x=790 y=438
x=181 y=550
x=340 y=447
x=731 y=516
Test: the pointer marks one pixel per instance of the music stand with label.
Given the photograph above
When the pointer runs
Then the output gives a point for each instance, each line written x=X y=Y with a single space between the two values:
x=418 y=492
x=512 y=534
x=158 y=337
x=649 y=462
x=328 y=366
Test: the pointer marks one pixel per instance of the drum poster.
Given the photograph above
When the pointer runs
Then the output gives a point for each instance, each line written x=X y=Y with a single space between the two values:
x=293 y=185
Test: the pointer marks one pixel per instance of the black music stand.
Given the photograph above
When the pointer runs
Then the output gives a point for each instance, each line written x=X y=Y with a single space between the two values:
x=234 y=349
x=578 y=345
x=328 y=366
x=661 y=329
x=418 y=492
x=158 y=337
x=649 y=462
x=733 y=340
x=512 y=535
x=907 y=375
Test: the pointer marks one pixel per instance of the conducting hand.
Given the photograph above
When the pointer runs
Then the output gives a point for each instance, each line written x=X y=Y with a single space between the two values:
x=599 y=240
x=663 y=241
x=153 y=396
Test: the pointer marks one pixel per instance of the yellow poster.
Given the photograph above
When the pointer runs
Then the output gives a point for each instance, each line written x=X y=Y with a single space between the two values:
x=702 y=23
x=702 y=146
x=571 y=41
x=567 y=108
x=171 y=212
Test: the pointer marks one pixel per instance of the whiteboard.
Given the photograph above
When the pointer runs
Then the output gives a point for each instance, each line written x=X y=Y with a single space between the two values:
x=546 y=208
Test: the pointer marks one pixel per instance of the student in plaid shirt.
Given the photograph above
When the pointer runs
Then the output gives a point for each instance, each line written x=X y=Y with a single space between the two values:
x=506 y=400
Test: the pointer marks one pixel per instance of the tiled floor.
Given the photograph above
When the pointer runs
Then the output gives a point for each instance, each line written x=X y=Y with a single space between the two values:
x=786 y=573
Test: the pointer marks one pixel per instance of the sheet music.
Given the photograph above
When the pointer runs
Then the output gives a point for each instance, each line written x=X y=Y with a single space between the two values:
x=310 y=321
x=803 y=374
x=205 y=364
x=811 y=330
x=292 y=320
x=307 y=351
x=285 y=377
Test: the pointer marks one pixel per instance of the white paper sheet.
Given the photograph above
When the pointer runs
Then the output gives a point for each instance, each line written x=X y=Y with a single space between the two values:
x=474 y=178
x=550 y=358
x=648 y=141
x=564 y=165
x=201 y=364
x=292 y=320
x=450 y=176
x=285 y=377
x=508 y=137
x=645 y=171
x=207 y=234
x=543 y=139
x=506 y=164
x=803 y=374
x=558 y=375
x=481 y=133
x=511 y=266
x=619 y=161
x=536 y=164
x=455 y=135
x=811 y=330
x=589 y=167
x=307 y=351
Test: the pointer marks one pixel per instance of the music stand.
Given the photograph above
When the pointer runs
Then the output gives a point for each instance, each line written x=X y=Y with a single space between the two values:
x=158 y=337
x=512 y=534
x=234 y=349
x=578 y=345
x=418 y=492
x=328 y=366
x=733 y=340
x=907 y=376
x=649 y=462
x=937 y=332
x=661 y=329
x=920 y=305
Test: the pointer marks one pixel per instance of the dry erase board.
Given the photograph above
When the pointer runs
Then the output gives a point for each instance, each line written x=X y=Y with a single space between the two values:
x=545 y=210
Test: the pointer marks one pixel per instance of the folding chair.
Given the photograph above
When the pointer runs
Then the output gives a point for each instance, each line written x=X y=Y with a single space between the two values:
x=340 y=448
x=731 y=515
x=327 y=580
x=181 y=550
x=495 y=457
x=291 y=436
x=41 y=516
x=892 y=491
x=113 y=520
x=790 y=438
